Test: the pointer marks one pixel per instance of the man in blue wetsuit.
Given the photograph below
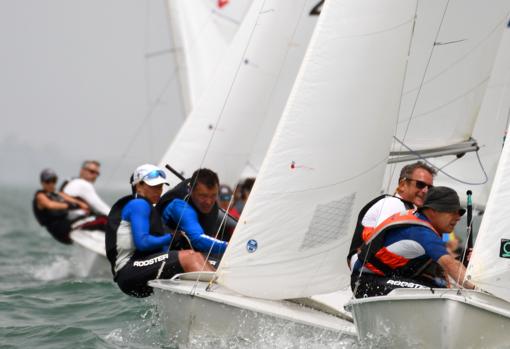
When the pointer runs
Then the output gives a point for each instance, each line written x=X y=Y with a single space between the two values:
x=407 y=249
x=191 y=208
x=137 y=244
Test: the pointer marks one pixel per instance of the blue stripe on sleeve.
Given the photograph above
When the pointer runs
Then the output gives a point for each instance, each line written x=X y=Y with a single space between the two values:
x=138 y=212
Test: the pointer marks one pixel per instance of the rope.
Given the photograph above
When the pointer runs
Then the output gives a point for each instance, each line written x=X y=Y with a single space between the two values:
x=417 y=154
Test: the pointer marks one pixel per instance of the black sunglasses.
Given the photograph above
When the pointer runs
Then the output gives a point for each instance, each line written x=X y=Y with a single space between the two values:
x=419 y=184
x=97 y=173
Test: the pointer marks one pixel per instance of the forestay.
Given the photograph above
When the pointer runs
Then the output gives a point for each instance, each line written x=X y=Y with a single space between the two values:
x=237 y=114
x=453 y=49
x=490 y=261
x=328 y=154
x=202 y=32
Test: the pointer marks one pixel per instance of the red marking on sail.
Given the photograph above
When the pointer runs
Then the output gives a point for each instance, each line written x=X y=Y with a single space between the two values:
x=222 y=3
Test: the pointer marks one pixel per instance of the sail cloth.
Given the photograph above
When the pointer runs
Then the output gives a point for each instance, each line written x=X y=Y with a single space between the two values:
x=490 y=129
x=452 y=54
x=202 y=30
x=490 y=262
x=328 y=154
x=246 y=97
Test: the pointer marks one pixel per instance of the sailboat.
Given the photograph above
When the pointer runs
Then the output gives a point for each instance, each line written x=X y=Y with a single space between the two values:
x=318 y=172
x=201 y=33
x=89 y=254
x=449 y=318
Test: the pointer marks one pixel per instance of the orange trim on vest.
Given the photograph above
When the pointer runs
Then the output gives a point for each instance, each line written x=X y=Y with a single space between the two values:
x=387 y=257
x=404 y=217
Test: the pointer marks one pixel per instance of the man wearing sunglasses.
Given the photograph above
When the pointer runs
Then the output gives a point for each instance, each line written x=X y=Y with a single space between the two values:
x=52 y=209
x=83 y=187
x=413 y=184
x=137 y=243
x=407 y=250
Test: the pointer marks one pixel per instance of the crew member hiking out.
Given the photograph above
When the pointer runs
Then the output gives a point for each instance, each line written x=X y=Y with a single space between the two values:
x=52 y=210
x=137 y=245
x=407 y=249
x=192 y=209
x=413 y=184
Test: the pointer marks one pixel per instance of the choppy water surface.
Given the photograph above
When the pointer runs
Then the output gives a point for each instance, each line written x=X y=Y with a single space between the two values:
x=43 y=304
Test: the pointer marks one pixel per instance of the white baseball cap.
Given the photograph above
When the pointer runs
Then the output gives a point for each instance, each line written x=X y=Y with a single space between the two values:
x=150 y=175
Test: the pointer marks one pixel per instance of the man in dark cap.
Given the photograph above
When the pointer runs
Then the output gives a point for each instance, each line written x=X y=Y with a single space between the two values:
x=407 y=249
x=51 y=209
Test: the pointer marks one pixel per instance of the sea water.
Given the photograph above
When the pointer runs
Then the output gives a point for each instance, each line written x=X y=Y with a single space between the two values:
x=43 y=304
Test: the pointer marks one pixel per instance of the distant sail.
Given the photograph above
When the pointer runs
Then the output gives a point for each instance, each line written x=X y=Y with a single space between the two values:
x=236 y=116
x=202 y=30
x=328 y=154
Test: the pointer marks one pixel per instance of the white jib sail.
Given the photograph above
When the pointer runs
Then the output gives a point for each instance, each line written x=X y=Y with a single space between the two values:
x=328 y=154
x=248 y=92
x=490 y=262
x=202 y=32
x=449 y=67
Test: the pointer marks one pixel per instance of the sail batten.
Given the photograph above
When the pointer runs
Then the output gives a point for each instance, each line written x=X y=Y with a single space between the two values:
x=327 y=156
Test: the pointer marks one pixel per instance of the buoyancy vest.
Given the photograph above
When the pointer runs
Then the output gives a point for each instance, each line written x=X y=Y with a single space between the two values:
x=210 y=222
x=55 y=221
x=357 y=239
x=115 y=217
x=44 y=216
x=381 y=261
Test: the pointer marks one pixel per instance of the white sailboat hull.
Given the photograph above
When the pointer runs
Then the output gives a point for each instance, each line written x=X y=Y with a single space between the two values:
x=89 y=254
x=224 y=315
x=439 y=318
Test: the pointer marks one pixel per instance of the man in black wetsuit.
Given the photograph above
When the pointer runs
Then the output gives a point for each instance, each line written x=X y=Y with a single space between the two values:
x=51 y=208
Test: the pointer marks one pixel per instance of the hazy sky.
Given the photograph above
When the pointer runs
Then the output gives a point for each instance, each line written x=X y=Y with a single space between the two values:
x=76 y=83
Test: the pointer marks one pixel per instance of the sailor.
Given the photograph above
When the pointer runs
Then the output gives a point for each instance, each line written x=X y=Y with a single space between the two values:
x=407 y=249
x=413 y=184
x=191 y=208
x=243 y=191
x=137 y=245
x=83 y=188
x=52 y=209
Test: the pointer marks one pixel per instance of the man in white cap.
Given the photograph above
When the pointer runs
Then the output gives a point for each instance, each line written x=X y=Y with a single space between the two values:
x=137 y=244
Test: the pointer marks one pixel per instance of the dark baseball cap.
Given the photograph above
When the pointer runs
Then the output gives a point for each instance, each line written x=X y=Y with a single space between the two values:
x=48 y=175
x=443 y=199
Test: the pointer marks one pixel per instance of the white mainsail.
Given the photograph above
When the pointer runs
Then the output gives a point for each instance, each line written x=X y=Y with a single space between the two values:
x=248 y=92
x=202 y=32
x=328 y=154
x=450 y=90
x=489 y=131
x=454 y=46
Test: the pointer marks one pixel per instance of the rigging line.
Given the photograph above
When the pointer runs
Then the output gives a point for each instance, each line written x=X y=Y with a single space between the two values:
x=393 y=167
x=277 y=80
x=220 y=227
x=227 y=98
x=425 y=72
x=417 y=154
x=148 y=115
x=460 y=59
x=180 y=65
